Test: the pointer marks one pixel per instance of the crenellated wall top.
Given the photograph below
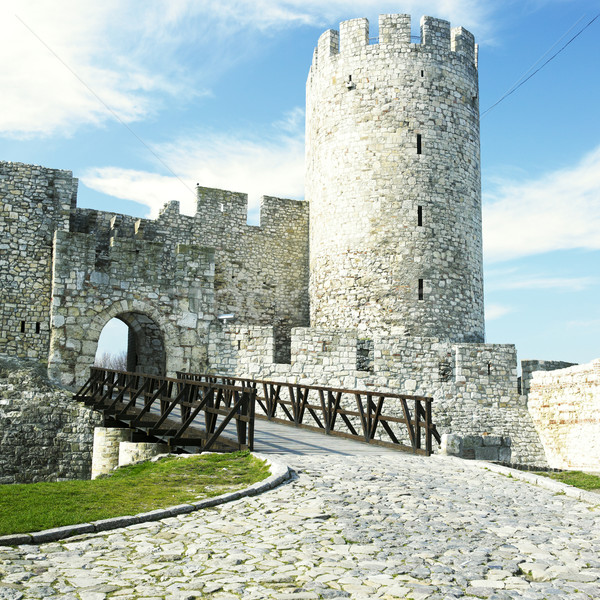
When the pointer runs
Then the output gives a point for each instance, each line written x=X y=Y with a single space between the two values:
x=353 y=39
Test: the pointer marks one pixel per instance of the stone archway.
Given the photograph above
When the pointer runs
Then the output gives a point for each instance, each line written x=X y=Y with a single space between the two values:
x=144 y=344
x=153 y=342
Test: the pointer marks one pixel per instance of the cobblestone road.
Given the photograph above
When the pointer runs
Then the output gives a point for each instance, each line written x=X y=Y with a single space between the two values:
x=389 y=526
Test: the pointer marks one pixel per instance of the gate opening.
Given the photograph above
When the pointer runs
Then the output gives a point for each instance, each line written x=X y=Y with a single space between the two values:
x=132 y=342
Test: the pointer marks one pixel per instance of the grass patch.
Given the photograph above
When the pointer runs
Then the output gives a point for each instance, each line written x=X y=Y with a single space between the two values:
x=577 y=479
x=128 y=491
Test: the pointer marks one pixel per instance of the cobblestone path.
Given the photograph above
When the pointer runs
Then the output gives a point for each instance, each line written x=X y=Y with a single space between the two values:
x=388 y=526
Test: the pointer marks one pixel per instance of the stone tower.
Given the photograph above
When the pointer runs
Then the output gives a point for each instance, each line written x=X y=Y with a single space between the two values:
x=393 y=180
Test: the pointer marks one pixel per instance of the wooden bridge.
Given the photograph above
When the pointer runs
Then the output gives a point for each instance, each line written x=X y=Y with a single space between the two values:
x=223 y=413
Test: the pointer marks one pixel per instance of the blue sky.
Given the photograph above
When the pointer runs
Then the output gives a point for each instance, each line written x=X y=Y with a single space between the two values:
x=142 y=100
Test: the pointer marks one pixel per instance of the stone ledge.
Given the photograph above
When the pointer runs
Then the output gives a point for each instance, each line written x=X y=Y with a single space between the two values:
x=539 y=480
x=279 y=473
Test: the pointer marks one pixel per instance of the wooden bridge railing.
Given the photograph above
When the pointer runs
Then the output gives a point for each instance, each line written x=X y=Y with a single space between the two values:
x=171 y=409
x=405 y=420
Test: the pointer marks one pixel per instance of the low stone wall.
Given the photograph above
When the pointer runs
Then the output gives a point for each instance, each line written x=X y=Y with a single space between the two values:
x=473 y=386
x=44 y=434
x=565 y=407
x=477 y=447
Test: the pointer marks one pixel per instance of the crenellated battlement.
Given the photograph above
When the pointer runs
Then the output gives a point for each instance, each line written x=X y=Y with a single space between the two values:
x=353 y=39
x=230 y=209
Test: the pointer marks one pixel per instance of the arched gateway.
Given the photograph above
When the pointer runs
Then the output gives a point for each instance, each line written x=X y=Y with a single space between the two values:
x=152 y=341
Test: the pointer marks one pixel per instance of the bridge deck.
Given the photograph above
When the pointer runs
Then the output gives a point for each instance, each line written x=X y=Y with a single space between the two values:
x=273 y=438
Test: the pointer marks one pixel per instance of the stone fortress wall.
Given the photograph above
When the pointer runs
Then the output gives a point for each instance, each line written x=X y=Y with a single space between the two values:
x=66 y=272
x=44 y=434
x=474 y=386
x=565 y=406
x=35 y=202
x=392 y=263
x=392 y=138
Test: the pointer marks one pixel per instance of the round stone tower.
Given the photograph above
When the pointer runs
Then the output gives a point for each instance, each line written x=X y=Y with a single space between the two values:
x=393 y=180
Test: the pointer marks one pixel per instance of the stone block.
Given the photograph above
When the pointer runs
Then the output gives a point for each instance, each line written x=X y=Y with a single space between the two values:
x=59 y=533
x=451 y=445
x=491 y=440
x=504 y=454
x=471 y=441
x=486 y=453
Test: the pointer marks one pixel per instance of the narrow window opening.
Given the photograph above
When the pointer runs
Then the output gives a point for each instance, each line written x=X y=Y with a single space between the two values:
x=37 y=327
x=239 y=344
x=422 y=73
x=489 y=366
x=420 y=289
x=420 y=216
x=22 y=326
x=419 y=143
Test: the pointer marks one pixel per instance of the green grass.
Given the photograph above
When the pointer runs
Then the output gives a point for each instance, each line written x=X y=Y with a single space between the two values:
x=128 y=491
x=578 y=479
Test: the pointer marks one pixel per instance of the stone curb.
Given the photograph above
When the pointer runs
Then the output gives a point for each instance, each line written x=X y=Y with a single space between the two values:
x=279 y=473
x=545 y=482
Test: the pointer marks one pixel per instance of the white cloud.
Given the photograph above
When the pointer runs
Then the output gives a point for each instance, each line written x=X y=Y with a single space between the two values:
x=272 y=165
x=566 y=284
x=496 y=311
x=60 y=57
x=149 y=189
x=585 y=324
x=558 y=211
x=269 y=13
x=135 y=56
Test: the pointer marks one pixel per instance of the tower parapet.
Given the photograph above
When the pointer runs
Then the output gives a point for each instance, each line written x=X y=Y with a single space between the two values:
x=393 y=180
x=353 y=39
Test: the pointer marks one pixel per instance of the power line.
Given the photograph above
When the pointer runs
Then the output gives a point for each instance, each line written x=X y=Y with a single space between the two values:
x=108 y=108
x=539 y=60
x=516 y=87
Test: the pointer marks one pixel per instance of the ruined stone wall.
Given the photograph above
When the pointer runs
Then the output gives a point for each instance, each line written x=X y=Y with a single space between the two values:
x=565 y=406
x=34 y=203
x=474 y=386
x=393 y=181
x=44 y=434
x=528 y=367
x=179 y=273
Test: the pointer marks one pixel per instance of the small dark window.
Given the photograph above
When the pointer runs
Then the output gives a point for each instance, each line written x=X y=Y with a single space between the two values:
x=489 y=368
x=419 y=143
x=239 y=344
x=420 y=216
x=422 y=73
x=37 y=327
x=420 y=289
x=22 y=326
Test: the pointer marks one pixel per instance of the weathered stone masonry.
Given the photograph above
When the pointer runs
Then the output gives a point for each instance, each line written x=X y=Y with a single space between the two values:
x=384 y=289
x=66 y=272
x=565 y=406
x=392 y=145
x=44 y=435
x=34 y=203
